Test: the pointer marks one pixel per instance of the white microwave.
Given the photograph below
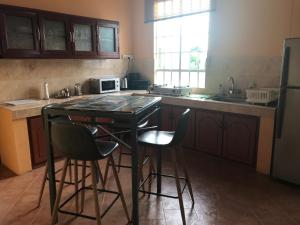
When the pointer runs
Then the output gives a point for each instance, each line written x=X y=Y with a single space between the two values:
x=105 y=85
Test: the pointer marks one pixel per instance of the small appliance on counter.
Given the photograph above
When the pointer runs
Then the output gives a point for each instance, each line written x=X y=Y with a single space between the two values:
x=77 y=89
x=136 y=83
x=124 y=83
x=104 y=85
x=262 y=95
x=171 y=91
x=63 y=93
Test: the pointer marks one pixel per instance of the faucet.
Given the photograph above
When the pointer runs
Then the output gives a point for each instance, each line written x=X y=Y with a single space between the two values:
x=231 y=91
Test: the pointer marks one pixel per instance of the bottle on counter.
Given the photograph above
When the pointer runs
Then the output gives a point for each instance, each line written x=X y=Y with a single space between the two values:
x=46 y=91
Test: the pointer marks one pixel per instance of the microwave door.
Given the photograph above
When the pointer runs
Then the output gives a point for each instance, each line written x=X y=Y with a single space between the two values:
x=108 y=85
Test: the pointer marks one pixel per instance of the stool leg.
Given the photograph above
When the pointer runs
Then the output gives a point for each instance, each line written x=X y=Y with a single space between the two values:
x=141 y=163
x=150 y=171
x=106 y=173
x=119 y=187
x=187 y=177
x=100 y=175
x=43 y=185
x=120 y=154
x=95 y=192
x=174 y=159
x=83 y=185
x=60 y=188
x=76 y=185
x=70 y=171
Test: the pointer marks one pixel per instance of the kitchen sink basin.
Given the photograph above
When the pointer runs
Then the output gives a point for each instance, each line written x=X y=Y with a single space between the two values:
x=229 y=99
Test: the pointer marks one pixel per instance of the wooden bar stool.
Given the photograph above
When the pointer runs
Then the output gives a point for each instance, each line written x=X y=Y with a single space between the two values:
x=77 y=143
x=170 y=141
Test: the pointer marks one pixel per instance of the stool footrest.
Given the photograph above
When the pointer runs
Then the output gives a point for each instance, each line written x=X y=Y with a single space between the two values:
x=87 y=216
x=129 y=167
x=160 y=194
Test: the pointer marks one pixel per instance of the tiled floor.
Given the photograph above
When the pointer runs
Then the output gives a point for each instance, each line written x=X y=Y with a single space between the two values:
x=226 y=193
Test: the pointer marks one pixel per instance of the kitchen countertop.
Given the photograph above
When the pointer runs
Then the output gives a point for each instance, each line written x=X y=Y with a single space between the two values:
x=193 y=101
x=196 y=101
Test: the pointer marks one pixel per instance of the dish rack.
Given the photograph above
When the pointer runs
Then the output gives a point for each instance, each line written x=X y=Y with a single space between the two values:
x=262 y=95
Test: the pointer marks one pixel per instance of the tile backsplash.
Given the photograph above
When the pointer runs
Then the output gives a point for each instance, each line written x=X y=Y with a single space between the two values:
x=21 y=79
x=263 y=71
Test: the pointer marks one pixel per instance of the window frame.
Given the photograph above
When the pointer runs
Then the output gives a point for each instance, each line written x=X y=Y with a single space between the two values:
x=201 y=85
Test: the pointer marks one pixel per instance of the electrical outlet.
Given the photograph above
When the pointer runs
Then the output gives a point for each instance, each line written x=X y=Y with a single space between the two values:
x=128 y=57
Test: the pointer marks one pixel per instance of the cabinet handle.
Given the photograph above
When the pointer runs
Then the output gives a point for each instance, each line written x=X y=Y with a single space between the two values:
x=71 y=37
x=38 y=33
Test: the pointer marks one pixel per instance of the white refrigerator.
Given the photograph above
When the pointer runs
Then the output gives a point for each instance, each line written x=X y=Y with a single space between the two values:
x=286 y=152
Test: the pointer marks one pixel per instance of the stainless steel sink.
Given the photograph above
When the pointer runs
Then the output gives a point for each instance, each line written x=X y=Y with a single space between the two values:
x=229 y=99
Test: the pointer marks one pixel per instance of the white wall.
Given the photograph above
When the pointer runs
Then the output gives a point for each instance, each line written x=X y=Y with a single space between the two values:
x=246 y=38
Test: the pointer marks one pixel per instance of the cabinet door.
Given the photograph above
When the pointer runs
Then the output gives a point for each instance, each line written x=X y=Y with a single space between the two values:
x=108 y=40
x=21 y=33
x=240 y=135
x=56 y=35
x=37 y=141
x=209 y=132
x=166 y=118
x=84 y=38
x=189 y=139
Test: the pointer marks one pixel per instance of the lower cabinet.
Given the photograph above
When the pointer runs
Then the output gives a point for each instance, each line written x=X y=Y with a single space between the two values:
x=209 y=133
x=37 y=140
x=226 y=135
x=240 y=135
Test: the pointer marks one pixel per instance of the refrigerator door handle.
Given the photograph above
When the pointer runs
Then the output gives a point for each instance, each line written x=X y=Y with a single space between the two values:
x=282 y=96
x=285 y=67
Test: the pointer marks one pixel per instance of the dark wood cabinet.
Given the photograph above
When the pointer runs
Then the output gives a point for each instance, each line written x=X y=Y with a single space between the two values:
x=209 y=132
x=38 y=147
x=31 y=33
x=56 y=35
x=37 y=140
x=83 y=37
x=21 y=34
x=240 y=135
x=108 y=39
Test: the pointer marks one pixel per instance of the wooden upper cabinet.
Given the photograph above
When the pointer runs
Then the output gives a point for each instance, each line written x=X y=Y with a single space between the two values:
x=21 y=34
x=56 y=35
x=209 y=132
x=31 y=33
x=83 y=37
x=108 y=39
x=240 y=138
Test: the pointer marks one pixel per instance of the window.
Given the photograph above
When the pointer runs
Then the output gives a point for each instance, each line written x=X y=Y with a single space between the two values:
x=180 y=50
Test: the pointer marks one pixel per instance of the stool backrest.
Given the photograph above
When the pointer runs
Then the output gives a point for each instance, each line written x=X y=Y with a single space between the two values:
x=74 y=141
x=181 y=128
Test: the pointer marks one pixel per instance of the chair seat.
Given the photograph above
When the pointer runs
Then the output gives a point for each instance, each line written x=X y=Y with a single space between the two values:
x=106 y=147
x=156 y=138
